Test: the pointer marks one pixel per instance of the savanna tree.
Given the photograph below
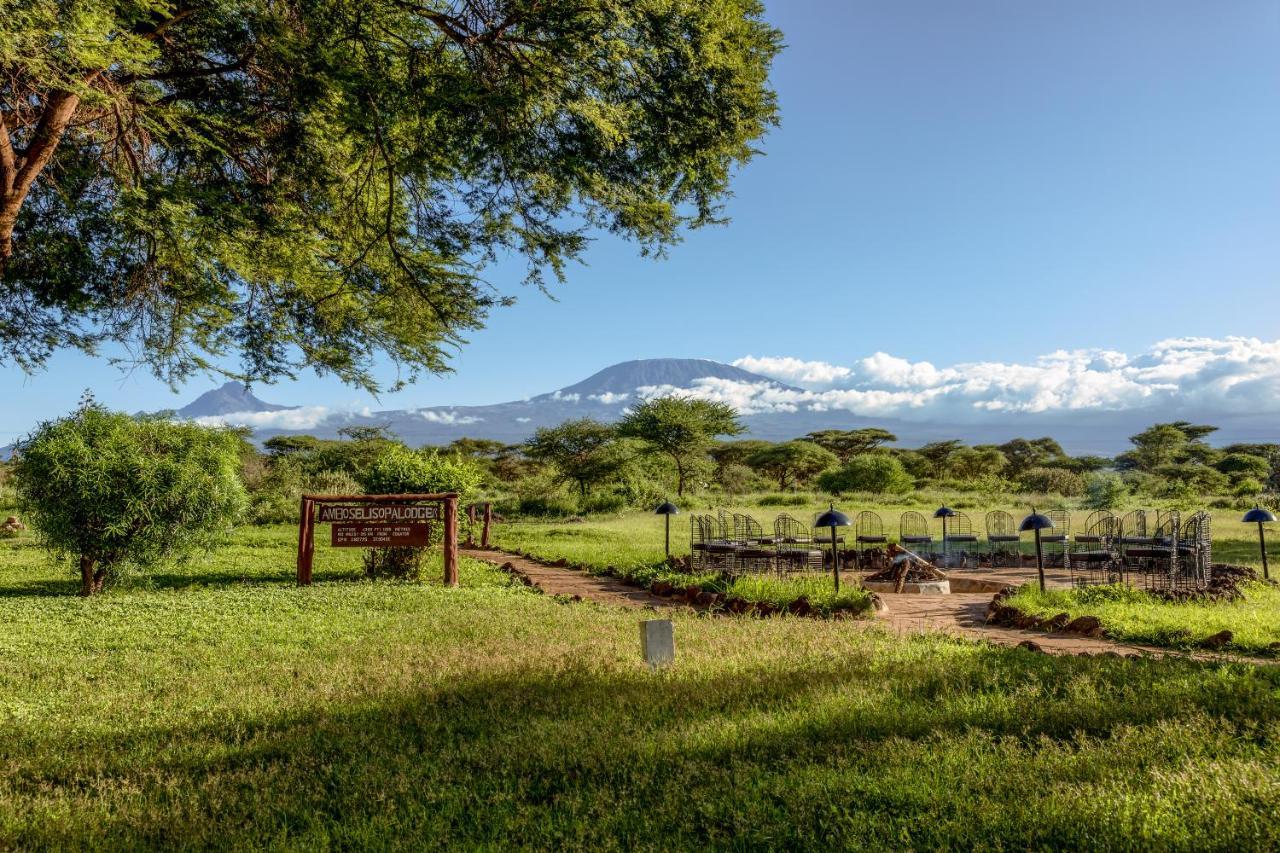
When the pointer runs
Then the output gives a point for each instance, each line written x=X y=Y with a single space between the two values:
x=792 y=463
x=846 y=444
x=582 y=451
x=680 y=428
x=319 y=183
x=107 y=489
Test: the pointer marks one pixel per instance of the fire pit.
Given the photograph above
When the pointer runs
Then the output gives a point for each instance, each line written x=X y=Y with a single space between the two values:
x=908 y=573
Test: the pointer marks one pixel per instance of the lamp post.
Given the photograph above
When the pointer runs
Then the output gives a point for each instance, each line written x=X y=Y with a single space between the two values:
x=833 y=518
x=944 y=512
x=1037 y=522
x=1261 y=516
x=667 y=509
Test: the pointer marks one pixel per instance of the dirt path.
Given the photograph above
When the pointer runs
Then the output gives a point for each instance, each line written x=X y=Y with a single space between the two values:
x=554 y=580
x=959 y=614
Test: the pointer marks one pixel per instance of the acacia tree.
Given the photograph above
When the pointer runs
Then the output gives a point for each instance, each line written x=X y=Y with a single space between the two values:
x=108 y=489
x=846 y=444
x=317 y=183
x=680 y=428
x=584 y=451
x=792 y=462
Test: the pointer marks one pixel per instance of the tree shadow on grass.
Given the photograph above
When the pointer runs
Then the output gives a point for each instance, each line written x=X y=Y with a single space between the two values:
x=836 y=750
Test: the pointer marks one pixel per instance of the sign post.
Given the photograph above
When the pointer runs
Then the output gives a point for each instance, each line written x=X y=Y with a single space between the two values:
x=378 y=521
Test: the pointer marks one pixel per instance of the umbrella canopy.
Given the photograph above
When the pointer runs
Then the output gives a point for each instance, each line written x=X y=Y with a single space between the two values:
x=944 y=512
x=1259 y=515
x=667 y=508
x=832 y=518
x=1035 y=521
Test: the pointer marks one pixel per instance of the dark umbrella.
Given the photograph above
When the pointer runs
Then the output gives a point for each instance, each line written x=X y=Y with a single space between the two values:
x=1037 y=522
x=1261 y=516
x=833 y=518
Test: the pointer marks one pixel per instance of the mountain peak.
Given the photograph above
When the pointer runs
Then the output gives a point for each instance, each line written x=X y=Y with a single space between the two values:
x=625 y=377
x=232 y=397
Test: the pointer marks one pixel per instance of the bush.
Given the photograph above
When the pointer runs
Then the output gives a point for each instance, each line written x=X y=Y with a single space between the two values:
x=604 y=503
x=1247 y=487
x=110 y=490
x=399 y=470
x=792 y=499
x=1057 y=481
x=1105 y=491
x=878 y=473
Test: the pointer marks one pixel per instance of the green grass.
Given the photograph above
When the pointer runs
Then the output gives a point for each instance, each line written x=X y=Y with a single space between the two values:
x=217 y=705
x=1134 y=616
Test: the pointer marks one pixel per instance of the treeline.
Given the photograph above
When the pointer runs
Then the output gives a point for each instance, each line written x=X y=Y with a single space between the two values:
x=673 y=446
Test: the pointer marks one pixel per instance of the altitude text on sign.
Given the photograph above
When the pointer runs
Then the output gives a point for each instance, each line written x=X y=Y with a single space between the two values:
x=379 y=513
x=379 y=535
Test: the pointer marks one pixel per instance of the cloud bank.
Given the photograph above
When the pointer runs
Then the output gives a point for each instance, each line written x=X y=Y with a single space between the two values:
x=1232 y=375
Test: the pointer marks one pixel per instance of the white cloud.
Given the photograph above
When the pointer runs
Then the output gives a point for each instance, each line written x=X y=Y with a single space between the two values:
x=523 y=420
x=450 y=418
x=795 y=371
x=568 y=398
x=608 y=397
x=1231 y=375
x=304 y=417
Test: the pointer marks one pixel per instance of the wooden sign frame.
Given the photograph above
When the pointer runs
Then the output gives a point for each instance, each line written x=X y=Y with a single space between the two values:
x=307 y=526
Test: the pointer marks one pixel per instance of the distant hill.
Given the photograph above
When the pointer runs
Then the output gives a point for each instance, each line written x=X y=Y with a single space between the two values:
x=627 y=377
x=231 y=398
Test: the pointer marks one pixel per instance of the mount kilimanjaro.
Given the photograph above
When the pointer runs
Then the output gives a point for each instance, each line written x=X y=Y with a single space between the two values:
x=606 y=395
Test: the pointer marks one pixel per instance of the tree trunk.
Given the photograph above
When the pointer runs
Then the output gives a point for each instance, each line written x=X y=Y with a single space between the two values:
x=88 y=580
x=17 y=174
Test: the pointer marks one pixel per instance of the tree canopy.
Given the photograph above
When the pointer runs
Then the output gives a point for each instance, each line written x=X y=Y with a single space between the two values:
x=680 y=428
x=319 y=183
x=583 y=451
x=793 y=462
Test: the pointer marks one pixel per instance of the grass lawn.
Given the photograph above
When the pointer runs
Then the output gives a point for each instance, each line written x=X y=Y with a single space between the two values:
x=1133 y=616
x=219 y=706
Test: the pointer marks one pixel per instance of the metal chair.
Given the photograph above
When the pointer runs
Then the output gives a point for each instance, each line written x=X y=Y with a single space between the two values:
x=720 y=545
x=1056 y=539
x=751 y=553
x=1003 y=539
x=913 y=532
x=794 y=546
x=1133 y=528
x=960 y=533
x=1195 y=553
x=1156 y=560
x=1094 y=558
x=868 y=529
x=699 y=538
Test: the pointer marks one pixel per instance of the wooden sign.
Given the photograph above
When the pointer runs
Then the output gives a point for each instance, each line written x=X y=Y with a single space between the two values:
x=380 y=535
x=379 y=513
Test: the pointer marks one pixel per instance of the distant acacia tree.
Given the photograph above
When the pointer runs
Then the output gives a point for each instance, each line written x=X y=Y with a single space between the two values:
x=870 y=472
x=108 y=489
x=583 y=451
x=846 y=444
x=793 y=462
x=680 y=428
x=316 y=183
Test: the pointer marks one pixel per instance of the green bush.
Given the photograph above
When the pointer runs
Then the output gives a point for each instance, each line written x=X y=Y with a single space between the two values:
x=878 y=473
x=1056 y=481
x=109 y=490
x=792 y=499
x=605 y=502
x=400 y=470
x=1105 y=491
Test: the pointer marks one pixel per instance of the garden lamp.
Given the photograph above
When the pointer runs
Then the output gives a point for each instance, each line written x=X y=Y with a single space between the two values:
x=833 y=518
x=1037 y=522
x=1261 y=516
x=944 y=512
x=667 y=509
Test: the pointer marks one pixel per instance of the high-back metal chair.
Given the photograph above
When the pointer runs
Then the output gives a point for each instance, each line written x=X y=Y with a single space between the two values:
x=1133 y=528
x=868 y=529
x=1156 y=560
x=1195 y=552
x=1094 y=558
x=913 y=532
x=752 y=554
x=721 y=547
x=794 y=546
x=961 y=545
x=699 y=538
x=1056 y=539
x=1004 y=543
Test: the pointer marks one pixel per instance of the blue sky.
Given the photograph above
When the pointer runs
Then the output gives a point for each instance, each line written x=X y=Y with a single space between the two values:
x=951 y=183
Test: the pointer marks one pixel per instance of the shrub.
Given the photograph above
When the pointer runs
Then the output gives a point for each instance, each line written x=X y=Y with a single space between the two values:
x=603 y=503
x=792 y=499
x=400 y=470
x=1105 y=491
x=1247 y=487
x=878 y=473
x=1057 y=481
x=110 y=490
